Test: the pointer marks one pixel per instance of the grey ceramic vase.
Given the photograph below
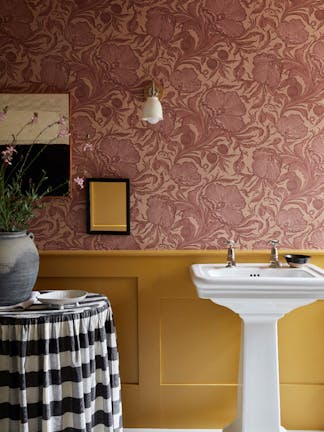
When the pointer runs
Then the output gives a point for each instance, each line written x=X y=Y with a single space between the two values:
x=19 y=264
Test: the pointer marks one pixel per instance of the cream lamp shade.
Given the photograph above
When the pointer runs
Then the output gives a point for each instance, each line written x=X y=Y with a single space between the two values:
x=152 y=111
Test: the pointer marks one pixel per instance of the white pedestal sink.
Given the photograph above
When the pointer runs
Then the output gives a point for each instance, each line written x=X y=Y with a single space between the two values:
x=260 y=295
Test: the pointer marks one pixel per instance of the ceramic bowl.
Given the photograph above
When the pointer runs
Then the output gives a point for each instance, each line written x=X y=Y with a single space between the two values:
x=296 y=260
x=62 y=297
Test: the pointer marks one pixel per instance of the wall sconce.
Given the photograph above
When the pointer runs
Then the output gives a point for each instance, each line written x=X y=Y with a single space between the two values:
x=152 y=111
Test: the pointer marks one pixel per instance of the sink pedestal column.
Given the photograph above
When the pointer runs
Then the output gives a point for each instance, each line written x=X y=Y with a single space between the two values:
x=258 y=397
x=258 y=408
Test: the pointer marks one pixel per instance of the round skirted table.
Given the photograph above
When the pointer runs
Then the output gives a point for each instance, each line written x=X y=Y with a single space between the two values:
x=59 y=369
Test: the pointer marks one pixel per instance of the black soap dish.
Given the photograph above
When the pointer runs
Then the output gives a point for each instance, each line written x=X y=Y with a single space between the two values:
x=296 y=260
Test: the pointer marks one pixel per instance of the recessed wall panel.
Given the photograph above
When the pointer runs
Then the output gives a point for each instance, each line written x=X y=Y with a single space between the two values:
x=122 y=293
x=200 y=342
x=301 y=356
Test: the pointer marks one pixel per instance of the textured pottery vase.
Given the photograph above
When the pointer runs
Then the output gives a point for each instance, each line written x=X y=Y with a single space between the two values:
x=19 y=264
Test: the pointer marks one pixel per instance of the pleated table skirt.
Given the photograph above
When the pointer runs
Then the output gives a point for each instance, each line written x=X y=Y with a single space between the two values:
x=59 y=369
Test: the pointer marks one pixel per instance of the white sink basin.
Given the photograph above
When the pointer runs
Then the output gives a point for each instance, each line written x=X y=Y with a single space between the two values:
x=258 y=280
x=254 y=270
x=260 y=295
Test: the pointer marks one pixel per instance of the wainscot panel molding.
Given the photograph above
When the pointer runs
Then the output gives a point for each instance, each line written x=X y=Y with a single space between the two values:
x=179 y=354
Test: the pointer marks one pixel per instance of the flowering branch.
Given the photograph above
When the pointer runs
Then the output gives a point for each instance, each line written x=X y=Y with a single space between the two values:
x=17 y=202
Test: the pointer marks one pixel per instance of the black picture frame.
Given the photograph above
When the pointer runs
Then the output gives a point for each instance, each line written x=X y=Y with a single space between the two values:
x=108 y=206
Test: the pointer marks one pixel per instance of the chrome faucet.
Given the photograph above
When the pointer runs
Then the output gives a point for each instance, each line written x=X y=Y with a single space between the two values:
x=274 y=258
x=231 y=254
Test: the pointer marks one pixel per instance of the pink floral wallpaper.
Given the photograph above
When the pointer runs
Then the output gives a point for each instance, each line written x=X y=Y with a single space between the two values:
x=240 y=153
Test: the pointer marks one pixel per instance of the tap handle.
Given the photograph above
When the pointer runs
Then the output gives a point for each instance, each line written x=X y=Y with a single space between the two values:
x=274 y=256
x=231 y=254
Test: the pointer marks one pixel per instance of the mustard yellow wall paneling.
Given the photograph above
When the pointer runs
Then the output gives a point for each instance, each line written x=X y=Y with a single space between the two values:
x=179 y=354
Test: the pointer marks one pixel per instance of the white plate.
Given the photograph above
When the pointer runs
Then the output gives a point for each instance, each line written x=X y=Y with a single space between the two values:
x=62 y=297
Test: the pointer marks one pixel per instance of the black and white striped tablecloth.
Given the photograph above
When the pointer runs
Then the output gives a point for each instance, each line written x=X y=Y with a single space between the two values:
x=59 y=369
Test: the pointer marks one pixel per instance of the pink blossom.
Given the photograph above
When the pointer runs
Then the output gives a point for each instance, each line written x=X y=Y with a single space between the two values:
x=63 y=132
x=34 y=118
x=88 y=146
x=62 y=121
x=63 y=128
x=7 y=154
x=3 y=113
x=79 y=181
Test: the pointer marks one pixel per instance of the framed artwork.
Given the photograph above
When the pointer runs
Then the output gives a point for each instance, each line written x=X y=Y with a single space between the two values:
x=37 y=124
x=108 y=206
